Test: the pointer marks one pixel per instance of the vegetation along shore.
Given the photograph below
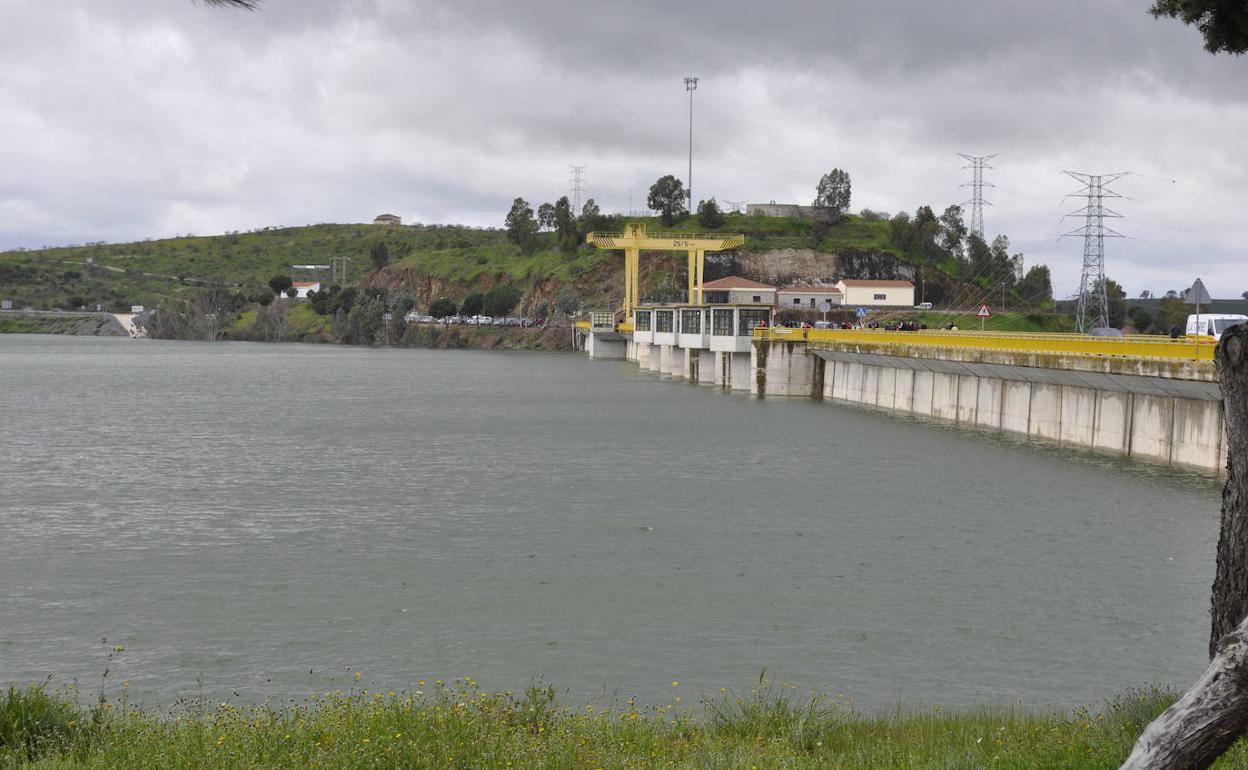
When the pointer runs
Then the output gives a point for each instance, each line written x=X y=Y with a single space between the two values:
x=460 y=726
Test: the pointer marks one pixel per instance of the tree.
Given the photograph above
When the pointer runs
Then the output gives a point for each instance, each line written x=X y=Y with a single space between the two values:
x=1244 y=295
x=591 y=218
x=1171 y=312
x=833 y=192
x=292 y=292
x=500 y=300
x=667 y=196
x=565 y=226
x=709 y=214
x=1004 y=266
x=1117 y=310
x=280 y=283
x=441 y=308
x=1036 y=287
x=953 y=231
x=472 y=304
x=1213 y=713
x=566 y=302
x=978 y=255
x=1146 y=294
x=1141 y=319
x=249 y=5
x=546 y=216
x=379 y=254
x=1224 y=23
x=521 y=226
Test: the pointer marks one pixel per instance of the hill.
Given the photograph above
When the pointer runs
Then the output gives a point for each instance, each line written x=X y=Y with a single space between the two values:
x=431 y=261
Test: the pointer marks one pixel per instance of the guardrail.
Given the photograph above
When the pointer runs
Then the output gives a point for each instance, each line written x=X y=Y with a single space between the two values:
x=1132 y=346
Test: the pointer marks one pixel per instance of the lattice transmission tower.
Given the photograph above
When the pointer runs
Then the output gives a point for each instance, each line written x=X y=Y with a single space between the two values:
x=1093 y=308
x=577 y=180
x=977 y=184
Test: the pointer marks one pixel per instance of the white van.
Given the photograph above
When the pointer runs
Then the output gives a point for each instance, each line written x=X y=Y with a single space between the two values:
x=1213 y=324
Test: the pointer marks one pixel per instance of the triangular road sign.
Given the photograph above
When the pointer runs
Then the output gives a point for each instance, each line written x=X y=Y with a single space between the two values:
x=984 y=312
x=1198 y=294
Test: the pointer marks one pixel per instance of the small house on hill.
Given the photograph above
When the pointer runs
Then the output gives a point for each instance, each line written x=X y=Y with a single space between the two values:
x=304 y=288
x=388 y=219
x=866 y=293
x=735 y=290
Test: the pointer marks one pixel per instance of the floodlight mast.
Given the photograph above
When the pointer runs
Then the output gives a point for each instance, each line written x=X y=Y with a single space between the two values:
x=691 y=85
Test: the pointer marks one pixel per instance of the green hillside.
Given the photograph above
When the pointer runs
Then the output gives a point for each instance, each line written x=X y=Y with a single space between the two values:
x=147 y=272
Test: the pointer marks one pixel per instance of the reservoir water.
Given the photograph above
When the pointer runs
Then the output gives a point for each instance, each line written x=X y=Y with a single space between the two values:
x=260 y=521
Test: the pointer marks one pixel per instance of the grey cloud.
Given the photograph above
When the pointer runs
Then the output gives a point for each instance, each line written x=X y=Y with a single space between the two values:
x=153 y=117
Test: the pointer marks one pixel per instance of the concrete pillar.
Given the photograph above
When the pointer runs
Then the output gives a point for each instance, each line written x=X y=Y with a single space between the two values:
x=602 y=348
x=706 y=367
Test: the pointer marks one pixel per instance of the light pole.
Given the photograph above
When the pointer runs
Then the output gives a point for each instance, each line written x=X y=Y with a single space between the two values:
x=691 y=85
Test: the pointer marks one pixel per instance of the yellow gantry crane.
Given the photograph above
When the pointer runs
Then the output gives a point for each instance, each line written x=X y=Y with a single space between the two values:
x=634 y=240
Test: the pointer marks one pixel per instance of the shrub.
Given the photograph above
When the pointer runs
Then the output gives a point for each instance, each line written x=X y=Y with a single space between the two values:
x=32 y=721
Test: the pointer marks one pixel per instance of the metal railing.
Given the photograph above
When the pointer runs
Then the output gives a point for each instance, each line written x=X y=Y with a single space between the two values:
x=1132 y=346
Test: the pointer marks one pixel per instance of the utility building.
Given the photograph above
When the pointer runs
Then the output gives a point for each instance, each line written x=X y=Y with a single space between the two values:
x=808 y=297
x=862 y=293
x=738 y=291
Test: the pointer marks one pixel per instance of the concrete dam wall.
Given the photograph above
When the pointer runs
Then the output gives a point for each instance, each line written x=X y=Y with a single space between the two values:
x=1171 y=421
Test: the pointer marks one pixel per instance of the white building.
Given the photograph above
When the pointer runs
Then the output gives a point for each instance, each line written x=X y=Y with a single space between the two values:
x=807 y=297
x=735 y=290
x=304 y=288
x=862 y=293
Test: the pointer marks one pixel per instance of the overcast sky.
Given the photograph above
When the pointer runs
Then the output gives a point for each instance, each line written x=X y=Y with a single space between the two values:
x=126 y=119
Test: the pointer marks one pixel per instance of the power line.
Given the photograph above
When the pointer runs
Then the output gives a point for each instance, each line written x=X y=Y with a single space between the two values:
x=1093 y=308
x=977 y=185
x=577 y=180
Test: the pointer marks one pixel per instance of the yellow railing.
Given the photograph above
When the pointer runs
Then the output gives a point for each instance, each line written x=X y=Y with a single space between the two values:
x=625 y=327
x=1134 y=346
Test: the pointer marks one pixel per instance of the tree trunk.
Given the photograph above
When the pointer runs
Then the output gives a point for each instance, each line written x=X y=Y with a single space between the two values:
x=1230 y=587
x=1213 y=714
x=1195 y=731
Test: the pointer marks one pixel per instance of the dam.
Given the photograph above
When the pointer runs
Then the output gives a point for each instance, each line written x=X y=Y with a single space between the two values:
x=1148 y=398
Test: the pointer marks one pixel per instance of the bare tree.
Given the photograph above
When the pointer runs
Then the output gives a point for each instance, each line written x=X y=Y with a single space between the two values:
x=1213 y=714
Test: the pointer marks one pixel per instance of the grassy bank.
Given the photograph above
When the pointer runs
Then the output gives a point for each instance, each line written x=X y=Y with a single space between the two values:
x=462 y=727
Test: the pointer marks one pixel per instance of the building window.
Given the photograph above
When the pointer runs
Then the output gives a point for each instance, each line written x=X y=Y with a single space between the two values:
x=721 y=323
x=812 y=301
x=641 y=321
x=691 y=322
x=750 y=318
x=797 y=300
x=758 y=298
x=881 y=296
x=663 y=321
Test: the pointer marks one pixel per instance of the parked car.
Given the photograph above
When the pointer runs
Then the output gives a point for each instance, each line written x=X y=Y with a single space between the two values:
x=923 y=306
x=1104 y=331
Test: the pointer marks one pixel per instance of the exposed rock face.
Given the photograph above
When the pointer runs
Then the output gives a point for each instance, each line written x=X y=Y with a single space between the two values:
x=783 y=267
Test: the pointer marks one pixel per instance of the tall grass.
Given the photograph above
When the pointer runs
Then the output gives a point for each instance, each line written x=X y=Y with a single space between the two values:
x=461 y=726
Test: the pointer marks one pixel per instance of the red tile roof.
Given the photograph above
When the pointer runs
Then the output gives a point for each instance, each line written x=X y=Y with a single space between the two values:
x=812 y=290
x=860 y=282
x=735 y=282
x=305 y=284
